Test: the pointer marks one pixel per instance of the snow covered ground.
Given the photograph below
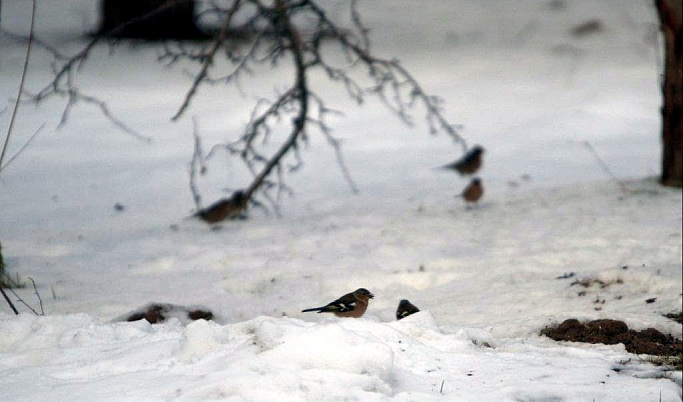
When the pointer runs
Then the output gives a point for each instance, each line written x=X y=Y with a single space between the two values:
x=486 y=279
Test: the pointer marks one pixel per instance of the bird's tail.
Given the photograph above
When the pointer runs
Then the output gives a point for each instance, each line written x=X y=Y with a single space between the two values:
x=318 y=309
x=450 y=166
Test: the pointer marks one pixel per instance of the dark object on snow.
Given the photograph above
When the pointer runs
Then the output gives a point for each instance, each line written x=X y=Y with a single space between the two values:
x=671 y=23
x=226 y=208
x=590 y=27
x=473 y=191
x=199 y=314
x=610 y=332
x=678 y=317
x=651 y=300
x=468 y=164
x=159 y=312
x=405 y=308
x=149 y=19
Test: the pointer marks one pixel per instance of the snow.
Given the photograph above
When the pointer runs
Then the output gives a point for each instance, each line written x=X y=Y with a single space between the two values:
x=73 y=357
x=486 y=278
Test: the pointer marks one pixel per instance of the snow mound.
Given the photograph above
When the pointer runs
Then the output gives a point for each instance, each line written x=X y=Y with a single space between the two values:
x=74 y=357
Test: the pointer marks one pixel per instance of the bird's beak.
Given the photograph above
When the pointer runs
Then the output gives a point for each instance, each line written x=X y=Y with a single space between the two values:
x=371 y=295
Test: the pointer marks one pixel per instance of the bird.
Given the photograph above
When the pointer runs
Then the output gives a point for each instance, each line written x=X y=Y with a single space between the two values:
x=352 y=304
x=473 y=191
x=225 y=208
x=469 y=163
x=405 y=308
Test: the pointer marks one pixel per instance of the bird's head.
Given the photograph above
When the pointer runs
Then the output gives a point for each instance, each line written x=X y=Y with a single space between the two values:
x=477 y=150
x=363 y=292
x=238 y=196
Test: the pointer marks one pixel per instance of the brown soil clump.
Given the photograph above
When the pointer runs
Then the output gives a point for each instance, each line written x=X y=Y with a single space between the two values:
x=158 y=312
x=649 y=341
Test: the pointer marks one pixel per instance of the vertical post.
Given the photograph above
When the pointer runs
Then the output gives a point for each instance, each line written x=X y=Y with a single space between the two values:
x=672 y=89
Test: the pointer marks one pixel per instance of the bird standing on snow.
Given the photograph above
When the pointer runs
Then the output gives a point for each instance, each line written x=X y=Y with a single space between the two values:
x=405 y=308
x=351 y=304
x=473 y=191
x=226 y=208
x=469 y=163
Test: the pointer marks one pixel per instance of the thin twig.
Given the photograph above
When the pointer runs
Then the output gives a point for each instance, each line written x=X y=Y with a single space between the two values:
x=22 y=148
x=40 y=301
x=606 y=168
x=334 y=142
x=21 y=83
x=20 y=300
x=75 y=96
x=197 y=160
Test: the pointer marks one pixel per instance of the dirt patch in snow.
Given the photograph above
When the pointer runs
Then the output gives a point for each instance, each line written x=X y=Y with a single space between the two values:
x=649 y=341
x=159 y=312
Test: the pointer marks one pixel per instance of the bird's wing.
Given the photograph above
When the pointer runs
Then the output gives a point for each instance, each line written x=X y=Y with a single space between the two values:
x=407 y=311
x=343 y=304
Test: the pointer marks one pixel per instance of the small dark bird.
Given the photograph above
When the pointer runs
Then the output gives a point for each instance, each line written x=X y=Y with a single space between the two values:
x=351 y=304
x=405 y=308
x=469 y=163
x=225 y=208
x=473 y=191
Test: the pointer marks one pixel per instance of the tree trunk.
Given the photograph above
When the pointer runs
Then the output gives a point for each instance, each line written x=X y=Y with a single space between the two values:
x=672 y=110
x=149 y=19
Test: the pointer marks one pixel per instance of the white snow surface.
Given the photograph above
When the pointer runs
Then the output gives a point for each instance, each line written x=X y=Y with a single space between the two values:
x=485 y=278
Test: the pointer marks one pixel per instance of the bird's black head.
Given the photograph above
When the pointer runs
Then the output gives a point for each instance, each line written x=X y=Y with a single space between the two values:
x=364 y=292
x=238 y=196
x=477 y=150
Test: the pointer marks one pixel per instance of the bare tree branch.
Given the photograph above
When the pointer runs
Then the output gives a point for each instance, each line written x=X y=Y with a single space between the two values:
x=63 y=83
x=197 y=163
x=21 y=85
x=208 y=59
x=300 y=88
x=276 y=38
x=334 y=142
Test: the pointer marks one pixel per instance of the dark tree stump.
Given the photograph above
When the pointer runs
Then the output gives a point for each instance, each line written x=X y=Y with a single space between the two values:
x=672 y=110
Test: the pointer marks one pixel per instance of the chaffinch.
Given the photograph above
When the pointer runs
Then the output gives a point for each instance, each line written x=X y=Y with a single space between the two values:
x=405 y=308
x=226 y=208
x=351 y=304
x=469 y=163
x=473 y=191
